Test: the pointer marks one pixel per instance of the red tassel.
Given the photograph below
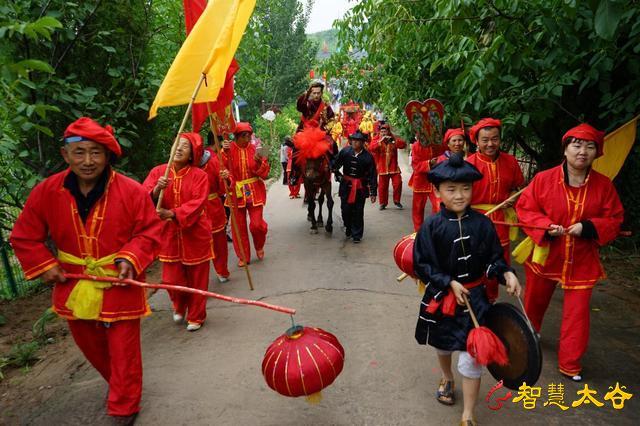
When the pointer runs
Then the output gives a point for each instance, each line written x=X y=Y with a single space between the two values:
x=311 y=143
x=486 y=347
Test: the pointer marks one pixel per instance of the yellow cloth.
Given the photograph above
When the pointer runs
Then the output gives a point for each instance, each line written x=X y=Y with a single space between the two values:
x=212 y=196
x=617 y=145
x=85 y=300
x=523 y=250
x=209 y=49
x=240 y=184
x=509 y=216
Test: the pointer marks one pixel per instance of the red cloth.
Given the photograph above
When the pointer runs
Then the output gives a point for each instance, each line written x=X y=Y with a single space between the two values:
x=575 y=322
x=447 y=305
x=499 y=179
x=386 y=155
x=573 y=261
x=356 y=184
x=192 y=306
x=221 y=249
x=243 y=126
x=257 y=226
x=588 y=133
x=294 y=190
x=187 y=237
x=383 y=188
x=449 y=134
x=215 y=208
x=197 y=147
x=417 y=209
x=91 y=130
x=242 y=165
x=420 y=157
x=115 y=352
x=485 y=122
x=122 y=221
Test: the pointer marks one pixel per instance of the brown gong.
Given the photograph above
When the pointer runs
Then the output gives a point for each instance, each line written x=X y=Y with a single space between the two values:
x=523 y=347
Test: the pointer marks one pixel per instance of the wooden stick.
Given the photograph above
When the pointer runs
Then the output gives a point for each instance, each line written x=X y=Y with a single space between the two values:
x=177 y=139
x=237 y=300
x=234 y=207
x=499 y=206
x=544 y=228
x=402 y=277
x=473 y=315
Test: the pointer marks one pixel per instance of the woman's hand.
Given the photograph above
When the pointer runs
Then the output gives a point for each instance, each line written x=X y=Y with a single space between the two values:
x=458 y=290
x=166 y=214
x=575 y=230
x=224 y=174
x=161 y=184
x=512 y=283
x=556 y=230
x=226 y=144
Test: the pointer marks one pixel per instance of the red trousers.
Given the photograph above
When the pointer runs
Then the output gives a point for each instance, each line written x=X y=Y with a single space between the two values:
x=383 y=188
x=257 y=227
x=221 y=250
x=294 y=190
x=417 y=209
x=114 y=350
x=574 y=328
x=192 y=276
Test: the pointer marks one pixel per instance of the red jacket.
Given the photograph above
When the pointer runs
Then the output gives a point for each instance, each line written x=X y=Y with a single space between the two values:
x=573 y=261
x=420 y=157
x=122 y=221
x=215 y=208
x=386 y=155
x=246 y=175
x=187 y=237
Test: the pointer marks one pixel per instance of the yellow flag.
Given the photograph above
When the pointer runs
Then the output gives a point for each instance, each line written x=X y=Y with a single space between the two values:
x=209 y=49
x=617 y=145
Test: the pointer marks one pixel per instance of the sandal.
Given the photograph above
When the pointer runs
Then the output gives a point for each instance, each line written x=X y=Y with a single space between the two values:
x=446 y=395
x=471 y=422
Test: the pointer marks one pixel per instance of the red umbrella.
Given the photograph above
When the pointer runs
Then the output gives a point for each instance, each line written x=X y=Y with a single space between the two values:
x=483 y=344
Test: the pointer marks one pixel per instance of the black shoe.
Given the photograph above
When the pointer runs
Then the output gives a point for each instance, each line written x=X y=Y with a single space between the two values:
x=229 y=239
x=124 y=420
x=399 y=206
x=348 y=233
x=383 y=206
x=356 y=240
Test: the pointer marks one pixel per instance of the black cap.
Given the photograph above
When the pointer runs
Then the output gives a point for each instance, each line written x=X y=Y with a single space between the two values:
x=359 y=136
x=454 y=169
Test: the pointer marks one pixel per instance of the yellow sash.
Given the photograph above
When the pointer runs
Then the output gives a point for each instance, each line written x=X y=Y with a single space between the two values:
x=85 y=300
x=523 y=250
x=242 y=183
x=212 y=196
x=509 y=216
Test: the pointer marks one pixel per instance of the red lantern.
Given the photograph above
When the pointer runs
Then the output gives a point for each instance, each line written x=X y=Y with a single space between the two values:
x=403 y=254
x=303 y=361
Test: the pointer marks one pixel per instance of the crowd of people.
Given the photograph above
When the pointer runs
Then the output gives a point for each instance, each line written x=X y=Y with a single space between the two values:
x=91 y=219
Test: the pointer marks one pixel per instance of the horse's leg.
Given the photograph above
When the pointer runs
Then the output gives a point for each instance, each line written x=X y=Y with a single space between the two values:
x=305 y=201
x=320 y=203
x=329 y=226
x=312 y=214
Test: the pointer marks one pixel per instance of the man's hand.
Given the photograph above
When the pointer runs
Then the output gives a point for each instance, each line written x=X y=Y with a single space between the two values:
x=53 y=275
x=224 y=174
x=575 y=230
x=433 y=162
x=373 y=199
x=556 y=230
x=226 y=144
x=125 y=270
x=508 y=204
x=512 y=283
x=458 y=289
x=162 y=183
x=166 y=214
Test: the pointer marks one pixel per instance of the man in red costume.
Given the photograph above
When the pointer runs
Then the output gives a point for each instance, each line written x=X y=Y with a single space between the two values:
x=246 y=168
x=583 y=210
x=315 y=111
x=422 y=159
x=501 y=177
x=215 y=210
x=187 y=246
x=101 y=223
x=385 y=148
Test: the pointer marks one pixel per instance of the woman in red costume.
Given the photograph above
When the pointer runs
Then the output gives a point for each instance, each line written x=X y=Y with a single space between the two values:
x=187 y=246
x=583 y=210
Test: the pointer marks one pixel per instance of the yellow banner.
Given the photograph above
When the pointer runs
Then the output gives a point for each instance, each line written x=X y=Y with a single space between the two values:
x=209 y=49
x=617 y=145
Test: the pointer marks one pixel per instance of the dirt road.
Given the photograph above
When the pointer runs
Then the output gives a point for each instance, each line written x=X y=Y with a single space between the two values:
x=213 y=377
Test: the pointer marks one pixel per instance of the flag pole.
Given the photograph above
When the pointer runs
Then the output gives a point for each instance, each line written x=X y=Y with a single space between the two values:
x=175 y=141
x=234 y=208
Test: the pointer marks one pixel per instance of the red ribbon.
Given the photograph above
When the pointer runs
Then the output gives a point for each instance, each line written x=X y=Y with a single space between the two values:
x=356 y=183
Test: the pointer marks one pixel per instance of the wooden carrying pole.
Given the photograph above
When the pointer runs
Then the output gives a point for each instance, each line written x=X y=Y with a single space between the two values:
x=177 y=139
x=234 y=208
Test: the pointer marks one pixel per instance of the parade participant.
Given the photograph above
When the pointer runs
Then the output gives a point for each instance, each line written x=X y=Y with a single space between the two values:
x=210 y=163
x=315 y=111
x=584 y=211
x=453 y=143
x=294 y=189
x=384 y=148
x=246 y=169
x=357 y=183
x=455 y=252
x=284 y=158
x=101 y=223
x=501 y=177
x=187 y=246
x=422 y=158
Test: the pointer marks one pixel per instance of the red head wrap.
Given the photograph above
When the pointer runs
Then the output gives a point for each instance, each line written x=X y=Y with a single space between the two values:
x=89 y=130
x=451 y=133
x=243 y=126
x=197 y=147
x=588 y=133
x=485 y=122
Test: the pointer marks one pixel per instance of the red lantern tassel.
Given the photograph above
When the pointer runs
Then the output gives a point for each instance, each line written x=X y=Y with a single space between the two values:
x=483 y=344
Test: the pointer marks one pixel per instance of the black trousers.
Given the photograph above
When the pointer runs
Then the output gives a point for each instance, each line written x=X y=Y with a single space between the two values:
x=285 y=175
x=353 y=215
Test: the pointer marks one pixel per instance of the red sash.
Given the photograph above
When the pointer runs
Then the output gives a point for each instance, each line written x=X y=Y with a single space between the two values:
x=447 y=304
x=356 y=183
x=315 y=120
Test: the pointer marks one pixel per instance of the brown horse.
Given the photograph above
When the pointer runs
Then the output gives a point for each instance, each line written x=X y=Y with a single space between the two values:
x=317 y=180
